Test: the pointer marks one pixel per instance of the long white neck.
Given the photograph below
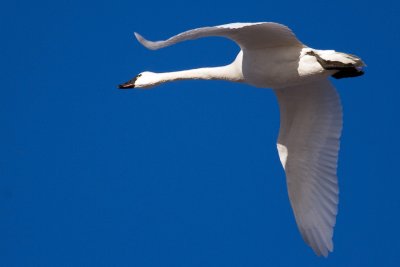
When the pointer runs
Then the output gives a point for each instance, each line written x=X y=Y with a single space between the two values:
x=228 y=73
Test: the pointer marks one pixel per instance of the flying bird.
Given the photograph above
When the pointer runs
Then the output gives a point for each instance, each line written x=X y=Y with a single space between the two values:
x=310 y=110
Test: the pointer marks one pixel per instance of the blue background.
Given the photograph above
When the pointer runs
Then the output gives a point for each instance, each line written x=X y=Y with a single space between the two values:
x=186 y=174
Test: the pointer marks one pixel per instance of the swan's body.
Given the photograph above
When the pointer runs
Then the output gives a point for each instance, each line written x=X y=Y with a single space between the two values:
x=311 y=113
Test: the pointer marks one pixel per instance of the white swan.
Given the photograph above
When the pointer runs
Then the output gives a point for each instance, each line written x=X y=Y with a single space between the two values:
x=311 y=113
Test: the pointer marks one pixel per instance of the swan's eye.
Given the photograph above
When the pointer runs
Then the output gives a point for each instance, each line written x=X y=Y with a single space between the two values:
x=139 y=75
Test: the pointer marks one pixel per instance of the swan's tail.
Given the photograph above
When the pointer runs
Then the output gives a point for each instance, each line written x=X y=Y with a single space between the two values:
x=347 y=65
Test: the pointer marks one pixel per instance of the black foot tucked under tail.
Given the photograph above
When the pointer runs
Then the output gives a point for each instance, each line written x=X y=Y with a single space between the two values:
x=348 y=73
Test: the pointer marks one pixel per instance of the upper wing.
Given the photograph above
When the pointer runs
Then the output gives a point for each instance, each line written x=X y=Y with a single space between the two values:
x=308 y=146
x=246 y=35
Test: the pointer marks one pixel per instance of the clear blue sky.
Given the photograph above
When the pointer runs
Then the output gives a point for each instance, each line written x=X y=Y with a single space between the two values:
x=186 y=174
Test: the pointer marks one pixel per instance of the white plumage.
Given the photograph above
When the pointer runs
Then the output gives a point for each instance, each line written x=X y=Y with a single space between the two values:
x=311 y=113
x=308 y=145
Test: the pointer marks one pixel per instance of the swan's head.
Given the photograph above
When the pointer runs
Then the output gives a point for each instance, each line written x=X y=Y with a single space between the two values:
x=145 y=79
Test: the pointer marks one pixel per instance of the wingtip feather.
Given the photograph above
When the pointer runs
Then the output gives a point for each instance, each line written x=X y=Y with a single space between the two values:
x=138 y=36
x=144 y=42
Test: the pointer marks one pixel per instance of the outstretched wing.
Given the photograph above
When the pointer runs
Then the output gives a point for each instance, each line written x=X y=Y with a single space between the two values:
x=308 y=145
x=246 y=35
